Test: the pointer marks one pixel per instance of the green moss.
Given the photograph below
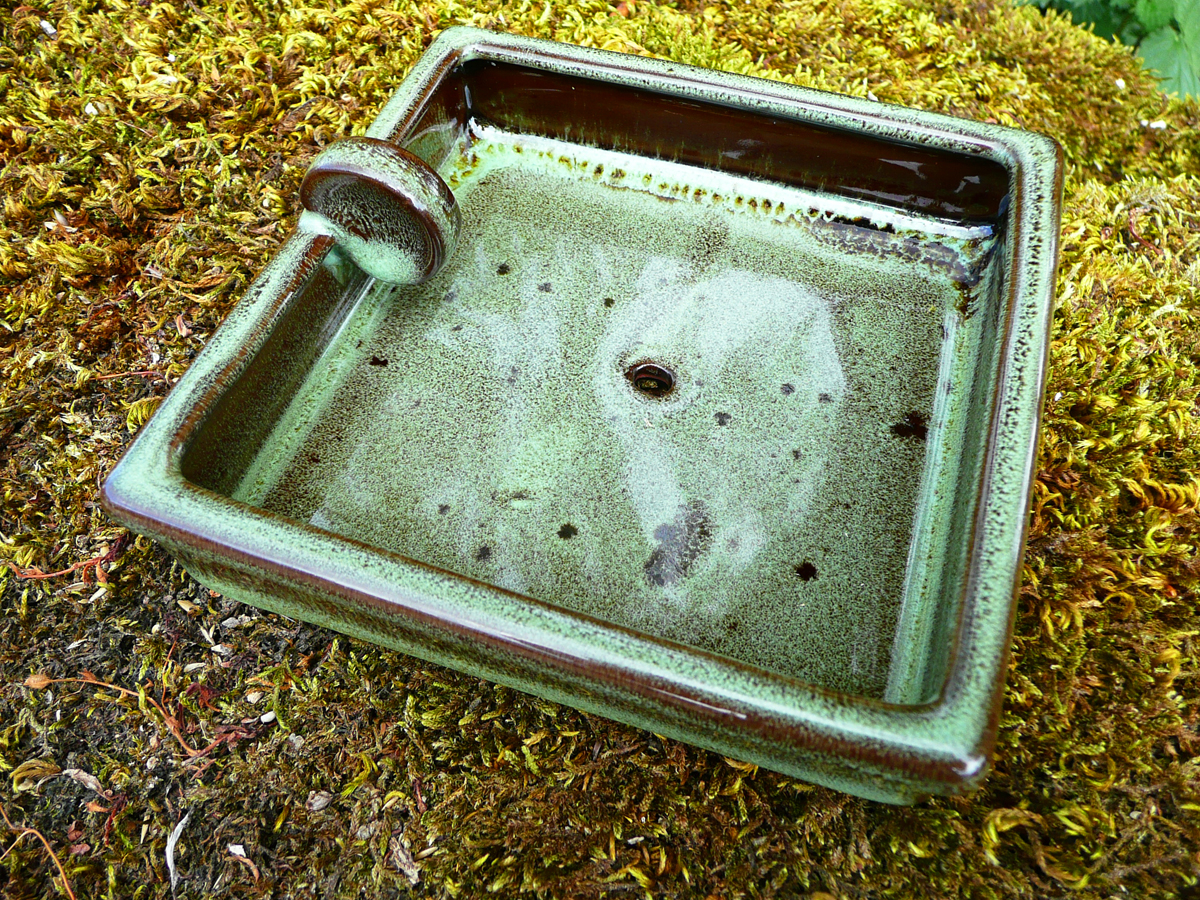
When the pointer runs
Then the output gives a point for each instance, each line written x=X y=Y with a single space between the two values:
x=151 y=158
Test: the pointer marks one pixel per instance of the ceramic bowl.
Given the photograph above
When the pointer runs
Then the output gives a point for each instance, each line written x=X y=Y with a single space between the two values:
x=698 y=401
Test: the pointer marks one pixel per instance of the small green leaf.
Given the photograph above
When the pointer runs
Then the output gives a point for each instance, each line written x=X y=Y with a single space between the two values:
x=1169 y=55
x=1155 y=14
x=1107 y=19
x=1187 y=14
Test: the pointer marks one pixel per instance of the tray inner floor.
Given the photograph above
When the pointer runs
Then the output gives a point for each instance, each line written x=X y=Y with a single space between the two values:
x=763 y=509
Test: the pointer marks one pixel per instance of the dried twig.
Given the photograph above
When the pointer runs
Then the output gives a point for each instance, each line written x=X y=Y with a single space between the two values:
x=40 y=681
x=98 y=562
x=24 y=830
x=143 y=372
x=1134 y=215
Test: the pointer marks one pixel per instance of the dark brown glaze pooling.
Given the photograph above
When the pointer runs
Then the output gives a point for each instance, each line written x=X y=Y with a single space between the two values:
x=906 y=176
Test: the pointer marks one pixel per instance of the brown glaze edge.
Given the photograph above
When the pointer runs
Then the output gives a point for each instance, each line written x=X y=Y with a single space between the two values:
x=442 y=70
x=1016 y=267
x=938 y=776
x=685 y=81
x=224 y=378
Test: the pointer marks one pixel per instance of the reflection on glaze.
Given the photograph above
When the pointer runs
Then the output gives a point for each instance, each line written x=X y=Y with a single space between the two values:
x=732 y=339
x=667 y=502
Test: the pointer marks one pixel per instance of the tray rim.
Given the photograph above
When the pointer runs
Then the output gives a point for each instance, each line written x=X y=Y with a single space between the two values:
x=893 y=752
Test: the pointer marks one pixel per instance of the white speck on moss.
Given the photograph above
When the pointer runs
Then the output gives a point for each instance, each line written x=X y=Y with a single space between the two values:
x=172 y=841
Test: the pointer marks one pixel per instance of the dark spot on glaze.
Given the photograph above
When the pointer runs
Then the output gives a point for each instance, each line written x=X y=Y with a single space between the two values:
x=796 y=454
x=443 y=509
x=915 y=425
x=608 y=301
x=568 y=531
x=824 y=398
x=503 y=269
x=710 y=243
x=723 y=418
x=513 y=373
x=544 y=287
x=963 y=304
x=787 y=389
x=680 y=544
x=484 y=554
x=806 y=571
x=378 y=361
x=456 y=328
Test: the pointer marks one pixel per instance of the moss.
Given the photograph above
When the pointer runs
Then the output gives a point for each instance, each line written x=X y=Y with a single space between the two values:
x=151 y=157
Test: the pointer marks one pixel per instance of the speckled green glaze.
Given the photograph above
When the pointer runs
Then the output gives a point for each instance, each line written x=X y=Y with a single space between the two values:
x=387 y=210
x=804 y=554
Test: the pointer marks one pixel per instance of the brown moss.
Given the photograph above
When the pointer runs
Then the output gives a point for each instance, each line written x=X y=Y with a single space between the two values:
x=151 y=156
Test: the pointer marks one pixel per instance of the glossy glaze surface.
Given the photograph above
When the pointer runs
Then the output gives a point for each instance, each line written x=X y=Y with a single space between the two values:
x=479 y=469
x=486 y=423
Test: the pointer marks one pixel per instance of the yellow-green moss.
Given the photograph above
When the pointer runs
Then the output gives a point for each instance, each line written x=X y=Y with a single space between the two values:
x=151 y=155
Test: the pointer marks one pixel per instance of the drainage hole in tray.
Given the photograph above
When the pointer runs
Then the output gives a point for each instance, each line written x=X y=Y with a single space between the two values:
x=651 y=379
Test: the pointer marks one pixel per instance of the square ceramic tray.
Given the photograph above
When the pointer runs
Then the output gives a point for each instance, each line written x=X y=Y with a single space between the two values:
x=719 y=419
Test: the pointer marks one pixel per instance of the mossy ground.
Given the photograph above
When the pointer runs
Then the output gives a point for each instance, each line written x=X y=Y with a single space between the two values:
x=151 y=156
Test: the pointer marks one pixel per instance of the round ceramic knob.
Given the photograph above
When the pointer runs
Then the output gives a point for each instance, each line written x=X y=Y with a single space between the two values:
x=393 y=214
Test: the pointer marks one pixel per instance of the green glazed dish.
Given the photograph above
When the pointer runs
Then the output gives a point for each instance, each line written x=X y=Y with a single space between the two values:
x=702 y=402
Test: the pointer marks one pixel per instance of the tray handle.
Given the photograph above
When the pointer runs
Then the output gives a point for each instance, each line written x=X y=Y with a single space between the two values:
x=386 y=208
